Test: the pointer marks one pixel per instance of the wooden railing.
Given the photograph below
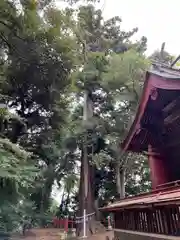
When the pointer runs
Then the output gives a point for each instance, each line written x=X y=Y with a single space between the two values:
x=168 y=185
x=132 y=235
x=158 y=220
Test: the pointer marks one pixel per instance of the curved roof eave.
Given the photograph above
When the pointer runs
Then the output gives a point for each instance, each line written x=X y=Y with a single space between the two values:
x=139 y=114
x=160 y=75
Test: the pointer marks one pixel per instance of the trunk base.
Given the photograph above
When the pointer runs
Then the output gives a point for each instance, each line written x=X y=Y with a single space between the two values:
x=92 y=228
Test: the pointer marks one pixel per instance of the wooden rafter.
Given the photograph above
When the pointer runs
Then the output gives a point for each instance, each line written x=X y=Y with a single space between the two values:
x=151 y=153
x=171 y=105
x=172 y=117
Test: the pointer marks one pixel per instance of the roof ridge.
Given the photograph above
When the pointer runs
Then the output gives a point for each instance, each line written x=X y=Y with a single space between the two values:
x=164 y=67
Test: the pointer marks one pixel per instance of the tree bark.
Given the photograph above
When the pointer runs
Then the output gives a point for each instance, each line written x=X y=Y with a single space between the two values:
x=86 y=196
x=120 y=185
x=122 y=181
x=86 y=202
x=118 y=181
x=96 y=205
x=86 y=190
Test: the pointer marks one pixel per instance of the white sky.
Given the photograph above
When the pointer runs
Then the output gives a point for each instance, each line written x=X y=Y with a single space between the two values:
x=156 y=19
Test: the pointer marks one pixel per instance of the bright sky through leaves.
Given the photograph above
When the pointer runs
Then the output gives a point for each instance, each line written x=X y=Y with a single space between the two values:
x=157 y=20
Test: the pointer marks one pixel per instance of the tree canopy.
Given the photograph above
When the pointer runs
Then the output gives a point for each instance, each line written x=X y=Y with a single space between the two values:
x=48 y=58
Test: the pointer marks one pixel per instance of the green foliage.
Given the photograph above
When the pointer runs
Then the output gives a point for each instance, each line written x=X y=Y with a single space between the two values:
x=16 y=177
x=138 y=178
x=54 y=207
x=12 y=216
x=41 y=57
x=115 y=85
x=164 y=57
x=36 y=62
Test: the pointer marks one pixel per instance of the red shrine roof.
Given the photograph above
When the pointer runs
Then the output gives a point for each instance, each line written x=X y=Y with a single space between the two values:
x=147 y=199
x=157 y=122
x=158 y=82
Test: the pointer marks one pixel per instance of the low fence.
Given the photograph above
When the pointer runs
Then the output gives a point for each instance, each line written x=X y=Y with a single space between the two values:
x=64 y=223
x=78 y=223
x=69 y=224
x=159 y=220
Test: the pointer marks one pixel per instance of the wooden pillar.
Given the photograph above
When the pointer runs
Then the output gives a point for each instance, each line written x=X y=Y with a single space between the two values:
x=158 y=169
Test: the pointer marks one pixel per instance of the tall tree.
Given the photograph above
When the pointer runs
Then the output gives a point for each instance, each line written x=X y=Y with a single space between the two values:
x=36 y=61
x=41 y=56
x=122 y=83
x=98 y=39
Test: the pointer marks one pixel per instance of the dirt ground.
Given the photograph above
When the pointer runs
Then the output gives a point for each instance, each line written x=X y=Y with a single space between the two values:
x=40 y=234
x=55 y=234
x=102 y=236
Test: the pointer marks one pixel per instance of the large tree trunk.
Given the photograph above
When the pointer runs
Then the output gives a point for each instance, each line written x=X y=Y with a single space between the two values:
x=96 y=205
x=92 y=225
x=118 y=181
x=86 y=196
x=120 y=185
x=86 y=199
x=122 y=180
x=86 y=190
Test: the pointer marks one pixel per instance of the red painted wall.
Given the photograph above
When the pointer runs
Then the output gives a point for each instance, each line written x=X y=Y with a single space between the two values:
x=158 y=170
